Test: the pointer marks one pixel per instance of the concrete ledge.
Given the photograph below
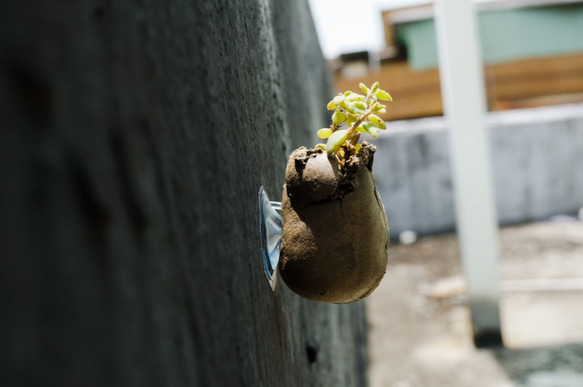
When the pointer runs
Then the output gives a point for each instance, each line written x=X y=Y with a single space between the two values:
x=537 y=161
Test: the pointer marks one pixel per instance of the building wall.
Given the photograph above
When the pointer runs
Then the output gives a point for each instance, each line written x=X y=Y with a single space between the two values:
x=136 y=135
x=506 y=35
x=537 y=162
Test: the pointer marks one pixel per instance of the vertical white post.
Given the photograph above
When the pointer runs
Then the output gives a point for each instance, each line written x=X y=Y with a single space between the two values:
x=462 y=88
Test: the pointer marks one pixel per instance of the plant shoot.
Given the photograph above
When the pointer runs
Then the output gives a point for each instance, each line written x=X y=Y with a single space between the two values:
x=354 y=114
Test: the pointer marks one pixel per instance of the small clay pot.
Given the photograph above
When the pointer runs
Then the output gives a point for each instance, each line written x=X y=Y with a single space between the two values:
x=335 y=231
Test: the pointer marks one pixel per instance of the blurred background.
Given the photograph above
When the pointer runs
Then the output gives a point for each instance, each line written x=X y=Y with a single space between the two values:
x=532 y=56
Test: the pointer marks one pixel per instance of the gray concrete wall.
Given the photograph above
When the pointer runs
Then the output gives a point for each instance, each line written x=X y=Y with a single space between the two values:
x=537 y=162
x=135 y=136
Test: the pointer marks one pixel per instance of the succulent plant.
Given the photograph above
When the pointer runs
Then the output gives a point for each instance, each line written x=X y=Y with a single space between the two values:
x=354 y=114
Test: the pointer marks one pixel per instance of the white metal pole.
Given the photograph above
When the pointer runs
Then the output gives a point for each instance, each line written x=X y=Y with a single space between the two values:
x=462 y=88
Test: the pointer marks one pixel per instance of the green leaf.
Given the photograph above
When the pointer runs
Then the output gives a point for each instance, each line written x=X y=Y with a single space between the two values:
x=354 y=97
x=377 y=120
x=347 y=93
x=357 y=107
x=336 y=140
x=338 y=100
x=364 y=89
x=324 y=132
x=381 y=94
x=378 y=107
x=331 y=105
x=351 y=119
x=338 y=117
x=371 y=129
x=320 y=146
x=375 y=87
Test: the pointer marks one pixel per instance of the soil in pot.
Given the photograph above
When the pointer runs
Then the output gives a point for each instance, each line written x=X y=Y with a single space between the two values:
x=335 y=231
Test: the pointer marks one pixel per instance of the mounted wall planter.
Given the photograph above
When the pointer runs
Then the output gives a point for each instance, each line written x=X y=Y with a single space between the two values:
x=335 y=231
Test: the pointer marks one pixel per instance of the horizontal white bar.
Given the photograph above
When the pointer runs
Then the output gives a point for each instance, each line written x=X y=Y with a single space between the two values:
x=543 y=285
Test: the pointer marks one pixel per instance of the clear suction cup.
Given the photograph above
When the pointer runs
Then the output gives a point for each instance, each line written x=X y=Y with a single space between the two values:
x=270 y=228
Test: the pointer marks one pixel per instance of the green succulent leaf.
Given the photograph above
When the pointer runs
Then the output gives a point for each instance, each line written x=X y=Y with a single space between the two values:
x=377 y=120
x=381 y=94
x=338 y=117
x=324 y=132
x=351 y=119
x=331 y=105
x=336 y=140
x=320 y=146
x=360 y=105
x=357 y=107
x=371 y=129
x=375 y=87
x=363 y=87
x=338 y=100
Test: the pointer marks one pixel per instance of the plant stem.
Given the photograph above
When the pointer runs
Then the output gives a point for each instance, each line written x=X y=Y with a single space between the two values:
x=358 y=122
x=355 y=137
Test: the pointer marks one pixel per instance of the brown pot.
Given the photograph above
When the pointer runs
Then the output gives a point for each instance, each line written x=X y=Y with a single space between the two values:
x=335 y=231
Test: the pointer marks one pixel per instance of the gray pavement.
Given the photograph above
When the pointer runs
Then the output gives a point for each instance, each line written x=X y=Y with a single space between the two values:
x=420 y=332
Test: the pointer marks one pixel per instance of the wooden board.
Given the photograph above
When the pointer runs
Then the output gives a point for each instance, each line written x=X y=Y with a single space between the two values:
x=527 y=82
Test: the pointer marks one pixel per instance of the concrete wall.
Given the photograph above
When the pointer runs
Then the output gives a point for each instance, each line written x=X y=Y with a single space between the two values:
x=135 y=136
x=537 y=159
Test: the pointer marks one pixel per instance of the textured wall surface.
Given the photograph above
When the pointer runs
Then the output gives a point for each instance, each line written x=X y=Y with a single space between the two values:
x=135 y=136
x=537 y=162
